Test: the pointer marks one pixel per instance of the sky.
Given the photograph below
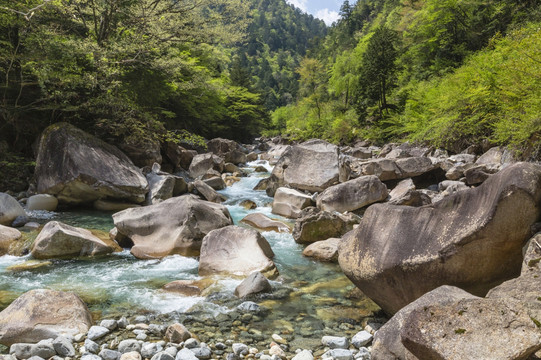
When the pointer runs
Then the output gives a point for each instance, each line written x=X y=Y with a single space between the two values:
x=326 y=10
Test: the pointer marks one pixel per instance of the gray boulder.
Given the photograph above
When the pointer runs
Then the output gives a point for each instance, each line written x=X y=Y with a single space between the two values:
x=161 y=186
x=60 y=240
x=414 y=166
x=471 y=328
x=353 y=194
x=405 y=193
x=264 y=223
x=387 y=343
x=312 y=166
x=78 y=168
x=316 y=225
x=63 y=347
x=174 y=226
x=202 y=163
x=8 y=236
x=229 y=150
x=384 y=169
x=177 y=333
x=43 y=314
x=255 y=283
x=289 y=202
x=208 y=192
x=42 y=202
x=9 y=209
x=324 y=250
x=236 y=251
x=472 y=239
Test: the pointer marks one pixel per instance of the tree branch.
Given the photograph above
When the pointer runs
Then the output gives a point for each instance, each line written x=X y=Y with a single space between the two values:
x=27 y=15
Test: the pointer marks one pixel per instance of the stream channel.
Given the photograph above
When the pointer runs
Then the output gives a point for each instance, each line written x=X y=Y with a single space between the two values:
x=309 y=298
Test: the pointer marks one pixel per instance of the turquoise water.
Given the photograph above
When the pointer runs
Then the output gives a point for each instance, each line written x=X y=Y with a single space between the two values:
x=120 y=284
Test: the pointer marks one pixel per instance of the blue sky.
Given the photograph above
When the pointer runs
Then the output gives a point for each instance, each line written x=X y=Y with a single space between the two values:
x=326 y=10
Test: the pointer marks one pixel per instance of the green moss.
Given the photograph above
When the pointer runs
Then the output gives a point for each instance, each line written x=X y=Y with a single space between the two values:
x=533 y=262
x=536 y=322
x=460 y=331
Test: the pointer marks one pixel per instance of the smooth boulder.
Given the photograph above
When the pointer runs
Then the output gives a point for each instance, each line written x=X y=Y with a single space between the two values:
x=472 y=239
x=264 y=223
x=174 y=226
x=208 y=192
x=387 y=343
x=324 y=250
x=60 y=240
x=10 y=209
x=312 y=166
x=236 y=251
x=202 y=163
x=8 y=236
x=255 y=283
x=289 y=202
x=42 y=202
x=43 y=314
x=229 y=150
x=353 y=194
x=77 y=167
x=471 y=329
x=316 y=225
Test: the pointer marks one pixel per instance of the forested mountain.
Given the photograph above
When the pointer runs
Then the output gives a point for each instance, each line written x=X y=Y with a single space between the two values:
x=278 y=38
x=446 y=72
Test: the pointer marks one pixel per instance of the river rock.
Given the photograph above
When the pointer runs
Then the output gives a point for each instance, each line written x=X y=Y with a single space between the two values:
x=335 y=342
x=414 y=166
x=478 y=328
x=10 y=209
x=60 y=240
x=289 y=202
x=248 y=204
x=405 y=193
x=21 y=350
x=387 y=343
x=255 y=283
x=472 y=239
x=304 y=355
x=208 y=192
x=264 y=223
x=42 y=314
x=236 y=251
x=78 y=168
x=384 y=169
x=216 y=182
x=63 y=347
x=175 y=226
x=312 y=166
x=8 y=236
x=132 y=355
x=353 y=194
x=478 y=174
x=188 y=287
x=161 y=186
x=42 y=202
x=274 y=154
x=177 y=333
x=361 y=339
x=128 y=346
x=325 y=250
x=185 y=354
x=316 y=225
x=495 y=157
x=202 y=163
x=143 y=153
x=526 y=287
x=229 y=150
x=338 y=354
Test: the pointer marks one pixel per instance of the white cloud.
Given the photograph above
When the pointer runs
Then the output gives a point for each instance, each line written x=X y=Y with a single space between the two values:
x=301 y=4
x=329 y=16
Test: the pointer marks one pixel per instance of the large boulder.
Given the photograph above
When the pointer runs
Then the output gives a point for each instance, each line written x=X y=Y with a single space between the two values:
x=324 y=250
x=384 y=169
x=313 y=166
x=236 y=251
x=405 y=193
x=78 y=168
x=353 y=194
x=289 y=202
x=316 y=225
x=471 y=329
x=387 y=343
x=9 y=209
x=264 y=223
x=8 y=236
x=143 y=153
x=60 y=240
x=208 y=192
x=472 y=239
x=43 y=314
x=227 y=149
x=202 y=163
x=161 y=185
x=174 y=226
x=42 y=202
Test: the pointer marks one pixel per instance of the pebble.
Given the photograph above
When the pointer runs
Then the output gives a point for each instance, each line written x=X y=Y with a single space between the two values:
x=363 y=354
x=21 y=350
x=240 y=349
x=132 y=355
x=278 y=351
x=220 y=346
x=107 y=354
x=191 y=343
x=304 y=355
x=338 y=354
x=249 y=306
x=140 y=319
x=163 y=355
x=109 y=324
x=63 y=347
x=203 y=352
x=97 y=332
x=148 y=350
x=361 y=339
x=123 y=322
x=35 y=357
x=44 y=349
x=185 y=354
x=279 y=339
x=172 y=351
x=126 y=346
x=90 y=357
x=335 y=342
x=141 y=336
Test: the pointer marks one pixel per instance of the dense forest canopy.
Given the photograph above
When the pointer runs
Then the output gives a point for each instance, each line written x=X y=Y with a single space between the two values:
x=446 y=72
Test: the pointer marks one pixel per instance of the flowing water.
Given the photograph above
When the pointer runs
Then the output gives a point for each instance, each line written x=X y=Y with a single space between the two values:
x=308 y=296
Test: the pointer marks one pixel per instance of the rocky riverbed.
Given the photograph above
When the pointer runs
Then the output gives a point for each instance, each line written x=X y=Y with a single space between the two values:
x=232 y=253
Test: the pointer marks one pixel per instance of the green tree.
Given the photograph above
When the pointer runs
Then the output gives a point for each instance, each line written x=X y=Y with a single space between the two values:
x=378 y=71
